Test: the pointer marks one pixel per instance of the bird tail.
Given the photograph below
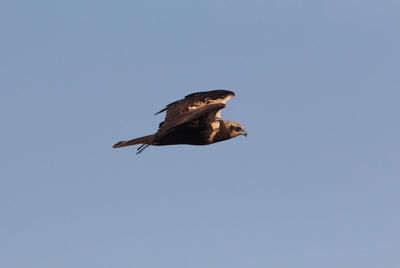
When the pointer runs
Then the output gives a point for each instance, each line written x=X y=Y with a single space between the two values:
x=141 y=140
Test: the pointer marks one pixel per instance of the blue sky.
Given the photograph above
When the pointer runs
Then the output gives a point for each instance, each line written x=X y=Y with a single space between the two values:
x=315 y=184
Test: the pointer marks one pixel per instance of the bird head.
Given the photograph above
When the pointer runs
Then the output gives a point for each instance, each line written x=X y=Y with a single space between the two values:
x=235 y=129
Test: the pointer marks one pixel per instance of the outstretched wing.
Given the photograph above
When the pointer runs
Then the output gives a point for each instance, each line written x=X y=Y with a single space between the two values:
x=196 y=108
x=196 y=101
x=202 y=115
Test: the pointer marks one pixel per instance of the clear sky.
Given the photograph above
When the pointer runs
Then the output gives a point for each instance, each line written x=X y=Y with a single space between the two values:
x=315 y=184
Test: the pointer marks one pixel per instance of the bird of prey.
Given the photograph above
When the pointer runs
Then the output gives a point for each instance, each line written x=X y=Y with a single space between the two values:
x=193 y=120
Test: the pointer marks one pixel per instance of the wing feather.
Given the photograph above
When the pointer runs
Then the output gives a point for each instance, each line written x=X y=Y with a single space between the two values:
x=206 y=114
x=195 y=101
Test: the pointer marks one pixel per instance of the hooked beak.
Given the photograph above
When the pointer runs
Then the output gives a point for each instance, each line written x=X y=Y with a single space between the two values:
x=244 y=133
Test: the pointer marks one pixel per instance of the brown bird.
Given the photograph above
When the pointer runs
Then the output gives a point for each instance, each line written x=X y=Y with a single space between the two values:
x=193 y=120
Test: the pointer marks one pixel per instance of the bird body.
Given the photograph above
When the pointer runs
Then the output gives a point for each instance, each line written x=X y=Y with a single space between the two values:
x=194 y=120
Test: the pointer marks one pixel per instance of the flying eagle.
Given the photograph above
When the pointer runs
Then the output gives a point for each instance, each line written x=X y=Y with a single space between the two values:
x=193 y=120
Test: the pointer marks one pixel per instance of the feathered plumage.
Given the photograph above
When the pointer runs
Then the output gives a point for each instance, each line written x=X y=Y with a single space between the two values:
x=193 y=120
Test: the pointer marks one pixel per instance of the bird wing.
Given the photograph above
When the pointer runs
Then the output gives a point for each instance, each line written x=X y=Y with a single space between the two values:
x=196 y=101
x=202 y=115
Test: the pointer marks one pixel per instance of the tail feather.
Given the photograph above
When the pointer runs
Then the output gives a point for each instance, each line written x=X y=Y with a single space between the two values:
x=141 y=140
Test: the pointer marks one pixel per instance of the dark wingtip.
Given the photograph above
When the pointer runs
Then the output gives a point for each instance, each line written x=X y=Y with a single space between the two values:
x=228 y=92
x=163 y=110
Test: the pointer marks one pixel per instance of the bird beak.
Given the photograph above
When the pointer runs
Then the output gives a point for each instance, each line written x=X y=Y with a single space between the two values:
x=244 y=133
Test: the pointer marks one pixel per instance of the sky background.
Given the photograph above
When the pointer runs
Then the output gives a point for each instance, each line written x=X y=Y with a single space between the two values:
x=315 y=184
